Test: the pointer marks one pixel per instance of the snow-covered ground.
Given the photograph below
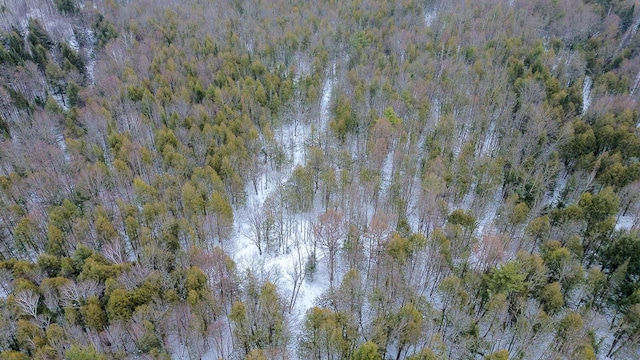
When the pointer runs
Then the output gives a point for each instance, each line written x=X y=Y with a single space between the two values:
x=635 y=85
x=490 y=140
x=586 y=93
x=627 y=222
x=430 y=16
x=286 y=270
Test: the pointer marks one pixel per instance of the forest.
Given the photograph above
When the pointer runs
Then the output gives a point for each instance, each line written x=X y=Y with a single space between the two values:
x=286 y=179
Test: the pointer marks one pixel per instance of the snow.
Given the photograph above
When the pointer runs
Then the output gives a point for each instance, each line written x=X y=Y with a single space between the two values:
x=626 y=222
x=633 y=29
x=286 y=269
x=91 y=63
x=586 y=93
x=436 y=110
x=430 y=16
x=490 y=139
x=561 y=184
x=71 y=38
x=62 y=144
x=636 y=83
x=59 y=98
x=490 y=212
x=325 y=103
x=387 y=172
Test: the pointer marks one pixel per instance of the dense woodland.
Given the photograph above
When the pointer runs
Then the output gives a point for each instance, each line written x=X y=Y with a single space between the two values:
x=358 y=179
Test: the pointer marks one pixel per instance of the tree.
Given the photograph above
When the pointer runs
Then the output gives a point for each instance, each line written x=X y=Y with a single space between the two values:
x=505 y=279
x=93 y=314
x=83 y=353
x=552 y=298
x=345 y=121
x=27 y=300
x=259 y=322
x=326 y=334
x=538 y=229
x=628 y=333
x=367 y=351
x=120 y=305
x=330 y=231
x=221 y=215
x=67 y=7
x=410 y=323
x=498 y=355
x=620 y=263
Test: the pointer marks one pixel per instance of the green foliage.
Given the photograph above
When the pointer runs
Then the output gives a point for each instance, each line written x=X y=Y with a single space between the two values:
x=104 y=31
x=62 y=216
x=551 y=298
x=72 y=93
x=326 y=333
x=581 y=146
x=66 y=7
x=367 y=351
x=83 y=353
x=620 y=261
x=259 y=323
x=196 y=284
x=506 y=279
x=424 y=354
x=13 y=355
x=49 y=264
x=570 y=324
x=390 y=115
x=71 y=59
x=345 y=121
x=38 y=35
x=498 y=355
x=361 y=39
x=256 y=354
x=14 y=51
x=93 y=314
x=462 y=218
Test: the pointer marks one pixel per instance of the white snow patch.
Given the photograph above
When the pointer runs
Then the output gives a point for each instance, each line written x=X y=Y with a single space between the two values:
x=59 y=98
x=630 y=33
x=387 y=171
x=626 y=222
x=327 y=90
x=561 y=184
x=70 y=36
x=436 y=110
x=490 y=212
x=430 y=16
x=636 y=83
x=488 y=144
x=62 y=144
x=586 y=93
x=91 y=63
x=293 y=139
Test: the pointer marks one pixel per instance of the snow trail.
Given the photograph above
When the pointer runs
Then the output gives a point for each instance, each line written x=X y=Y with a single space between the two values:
x=636 y=83
x=633 y=29
x=586 y=93
x=488 y=144
x=325 y=103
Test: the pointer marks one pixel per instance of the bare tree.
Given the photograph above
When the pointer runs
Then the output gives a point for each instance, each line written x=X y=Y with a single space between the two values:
x=256 y=219
x=330 y=230
x=28 y=300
